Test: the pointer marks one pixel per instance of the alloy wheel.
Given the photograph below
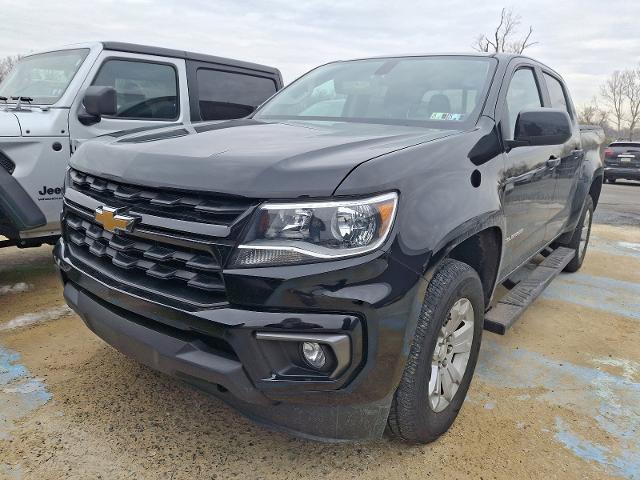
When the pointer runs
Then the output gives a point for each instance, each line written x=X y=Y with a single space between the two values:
x=451 y=354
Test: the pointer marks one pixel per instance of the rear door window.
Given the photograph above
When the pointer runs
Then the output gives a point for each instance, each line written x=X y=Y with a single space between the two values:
x=556 y=93
x=144 y=90
x=227 y=95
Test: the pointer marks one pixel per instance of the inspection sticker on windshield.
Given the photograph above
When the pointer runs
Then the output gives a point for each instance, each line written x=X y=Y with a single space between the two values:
x=447 y=116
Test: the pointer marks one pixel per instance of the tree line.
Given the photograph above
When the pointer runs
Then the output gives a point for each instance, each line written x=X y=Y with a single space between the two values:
x=619 y=112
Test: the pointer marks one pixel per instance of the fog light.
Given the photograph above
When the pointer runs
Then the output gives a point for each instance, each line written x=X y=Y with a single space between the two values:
x=314 y=354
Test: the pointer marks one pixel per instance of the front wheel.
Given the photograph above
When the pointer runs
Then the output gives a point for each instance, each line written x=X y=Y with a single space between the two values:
x=443 y=355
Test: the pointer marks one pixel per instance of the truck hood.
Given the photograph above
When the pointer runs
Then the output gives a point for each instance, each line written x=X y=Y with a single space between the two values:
x=247 y=157
x=9 y=126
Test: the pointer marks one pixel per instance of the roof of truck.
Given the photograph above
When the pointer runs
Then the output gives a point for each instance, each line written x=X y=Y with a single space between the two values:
x=503 y=57
x=172 y=53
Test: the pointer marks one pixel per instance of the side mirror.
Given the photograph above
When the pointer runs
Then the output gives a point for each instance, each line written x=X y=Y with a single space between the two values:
x=542 y=126
x=98 y=101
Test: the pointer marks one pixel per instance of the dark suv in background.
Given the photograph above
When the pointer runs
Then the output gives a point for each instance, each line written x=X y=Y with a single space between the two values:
x=622 y=161
x=325 y=264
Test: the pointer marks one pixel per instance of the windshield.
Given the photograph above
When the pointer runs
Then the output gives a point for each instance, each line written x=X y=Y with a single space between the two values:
x=43 y=77
x=437 y=91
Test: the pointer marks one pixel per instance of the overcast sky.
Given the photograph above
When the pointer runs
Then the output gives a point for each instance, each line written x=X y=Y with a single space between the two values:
x=583 y=40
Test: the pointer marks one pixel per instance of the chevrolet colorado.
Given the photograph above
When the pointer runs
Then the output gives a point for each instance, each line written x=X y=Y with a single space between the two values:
x=328 y=264
x=54 y=101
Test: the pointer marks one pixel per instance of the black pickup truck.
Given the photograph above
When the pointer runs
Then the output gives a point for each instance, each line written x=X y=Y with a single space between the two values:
x=327 y=264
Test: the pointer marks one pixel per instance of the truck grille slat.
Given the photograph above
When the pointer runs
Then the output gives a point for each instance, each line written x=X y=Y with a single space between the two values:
x=161 y=254
x=121 y=244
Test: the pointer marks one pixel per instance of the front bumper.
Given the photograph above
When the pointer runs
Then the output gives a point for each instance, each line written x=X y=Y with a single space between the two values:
x=627 y=173
x=370 y=299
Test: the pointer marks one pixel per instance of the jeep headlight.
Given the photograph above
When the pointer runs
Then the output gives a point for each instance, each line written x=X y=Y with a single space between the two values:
x=303 y=232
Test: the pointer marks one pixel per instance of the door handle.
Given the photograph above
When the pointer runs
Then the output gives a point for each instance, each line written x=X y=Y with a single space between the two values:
x=553 y=161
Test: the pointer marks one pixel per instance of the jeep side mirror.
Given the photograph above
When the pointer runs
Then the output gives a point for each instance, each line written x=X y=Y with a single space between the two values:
x=98 y=101
x=542 y=126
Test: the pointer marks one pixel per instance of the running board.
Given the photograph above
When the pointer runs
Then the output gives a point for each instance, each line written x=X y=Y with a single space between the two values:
x=509 y=308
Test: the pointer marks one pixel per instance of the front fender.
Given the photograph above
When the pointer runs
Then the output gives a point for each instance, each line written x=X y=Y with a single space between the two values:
x=17 y=205
x=444 y=196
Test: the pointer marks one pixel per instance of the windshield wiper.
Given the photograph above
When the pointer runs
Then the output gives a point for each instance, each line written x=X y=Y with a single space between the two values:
x=19 y=105
x=19 y=100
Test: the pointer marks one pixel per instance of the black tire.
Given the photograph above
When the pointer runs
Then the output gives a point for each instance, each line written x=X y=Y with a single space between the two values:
x=411 y=417
x=611 y=180
x=578 y=257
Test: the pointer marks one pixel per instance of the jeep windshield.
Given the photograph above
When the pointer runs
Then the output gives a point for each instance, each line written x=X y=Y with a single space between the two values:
x=43 y=77
x=435 y=91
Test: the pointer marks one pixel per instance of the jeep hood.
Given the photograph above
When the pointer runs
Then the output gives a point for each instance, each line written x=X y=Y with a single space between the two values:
x=246 y=157
x=9 y=126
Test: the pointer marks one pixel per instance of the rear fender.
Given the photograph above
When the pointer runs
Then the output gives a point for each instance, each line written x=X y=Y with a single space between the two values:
x=592 y=173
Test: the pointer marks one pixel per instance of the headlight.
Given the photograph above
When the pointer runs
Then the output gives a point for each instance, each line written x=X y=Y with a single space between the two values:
x=303 y=232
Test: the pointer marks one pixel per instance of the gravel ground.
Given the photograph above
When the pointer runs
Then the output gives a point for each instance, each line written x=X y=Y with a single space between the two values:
x=557 y=397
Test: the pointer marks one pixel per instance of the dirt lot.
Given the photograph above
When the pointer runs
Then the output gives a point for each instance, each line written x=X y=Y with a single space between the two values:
x=558 y=397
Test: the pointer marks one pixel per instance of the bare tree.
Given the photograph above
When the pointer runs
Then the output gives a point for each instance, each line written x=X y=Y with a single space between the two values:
x=602 y=118
x=7 y=64
x=592 y=114
x=631 y=80
x=501 y=40
x=613 y=91
x=587 y=114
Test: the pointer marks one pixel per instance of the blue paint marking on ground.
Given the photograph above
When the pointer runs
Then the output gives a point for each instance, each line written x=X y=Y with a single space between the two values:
x=601 y=293
x=20 y=392
x=612 y=401
x=10 y=472
x=614 y=247
x=10 y=370
x=623 y=464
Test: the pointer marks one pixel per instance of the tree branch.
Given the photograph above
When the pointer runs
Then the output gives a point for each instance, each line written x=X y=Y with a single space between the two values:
x=501 y=39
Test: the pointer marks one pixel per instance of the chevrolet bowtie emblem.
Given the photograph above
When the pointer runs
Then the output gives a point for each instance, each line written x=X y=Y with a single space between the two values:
x=112 y=221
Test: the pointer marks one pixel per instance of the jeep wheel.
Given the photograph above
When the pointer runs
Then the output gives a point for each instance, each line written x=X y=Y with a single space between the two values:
x=580 y=238
x=442 y=357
